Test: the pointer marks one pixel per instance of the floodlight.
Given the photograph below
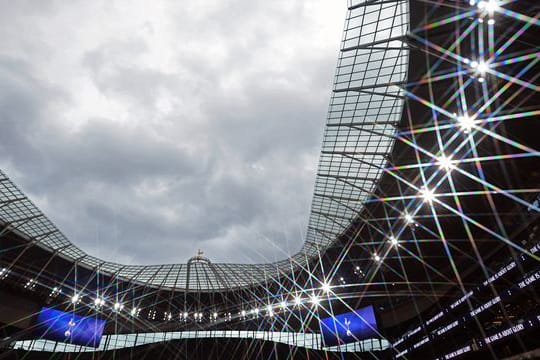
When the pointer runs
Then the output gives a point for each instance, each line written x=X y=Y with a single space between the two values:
x=326 y=287
x=408 y=218
x=445 y=162
x=99 y=301
x=489 y=5
x=482 y=67
x=427 y=194
x=465 y=122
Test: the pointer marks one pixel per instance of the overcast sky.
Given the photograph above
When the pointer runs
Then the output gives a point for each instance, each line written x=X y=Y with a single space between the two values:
x=148 y=129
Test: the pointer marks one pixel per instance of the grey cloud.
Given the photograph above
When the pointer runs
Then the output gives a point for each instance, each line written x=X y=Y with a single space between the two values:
x=139 y=162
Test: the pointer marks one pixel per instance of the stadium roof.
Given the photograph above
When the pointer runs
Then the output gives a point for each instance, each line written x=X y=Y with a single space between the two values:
x=365 y=108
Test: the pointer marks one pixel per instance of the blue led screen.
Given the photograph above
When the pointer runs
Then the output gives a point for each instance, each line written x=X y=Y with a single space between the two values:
x=70 y=328
x=349 y=327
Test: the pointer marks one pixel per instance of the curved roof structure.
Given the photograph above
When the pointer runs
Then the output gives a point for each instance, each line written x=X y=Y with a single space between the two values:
x=426 y=207
x=365 y=107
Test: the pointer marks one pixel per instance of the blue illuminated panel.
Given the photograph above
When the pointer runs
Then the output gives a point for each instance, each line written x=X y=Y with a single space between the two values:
x=69 y=328
x=349 y=327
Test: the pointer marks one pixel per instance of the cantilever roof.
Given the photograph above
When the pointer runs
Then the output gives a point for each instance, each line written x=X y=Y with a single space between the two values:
x=365 y=107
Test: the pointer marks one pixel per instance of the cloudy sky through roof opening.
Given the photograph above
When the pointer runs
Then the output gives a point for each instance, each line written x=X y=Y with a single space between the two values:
x=148 y=130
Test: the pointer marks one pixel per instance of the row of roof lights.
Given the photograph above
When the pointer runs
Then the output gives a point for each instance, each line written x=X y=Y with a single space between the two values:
x=118 y=307
x=100 y=302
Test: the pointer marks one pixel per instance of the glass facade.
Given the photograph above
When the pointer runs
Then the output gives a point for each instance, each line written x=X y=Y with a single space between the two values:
x=119 y=341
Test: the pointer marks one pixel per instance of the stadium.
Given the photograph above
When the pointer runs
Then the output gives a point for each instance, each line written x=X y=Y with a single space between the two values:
x=423 y=234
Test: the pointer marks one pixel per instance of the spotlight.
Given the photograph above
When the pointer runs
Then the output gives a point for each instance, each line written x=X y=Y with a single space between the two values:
x=427 y=195
x=491 y=21
x=186 y=315
x=55 y=291
x=134 y=311
x=445 y=163
x=474 y=64
x=482 y=67
x=297 y=300
x=326 y=287
x=243 y=313
x=215 y=315
x=376 y=257
x=314 y=299
x=408 y=218
x=75 y=298
x=99 y=301
x=489 y=5
x=118 y=306
x=466 y=123
x=393 y=241
x=283 y=304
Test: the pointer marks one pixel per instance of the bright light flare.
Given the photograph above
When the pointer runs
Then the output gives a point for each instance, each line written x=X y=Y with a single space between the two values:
x=408 y=218
x=326 y=287
x=427 y=195
x=482 y=67
x=490 y=5
x=445 y=163
x=465 y=123
x=99 y=301
x=118 y=306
